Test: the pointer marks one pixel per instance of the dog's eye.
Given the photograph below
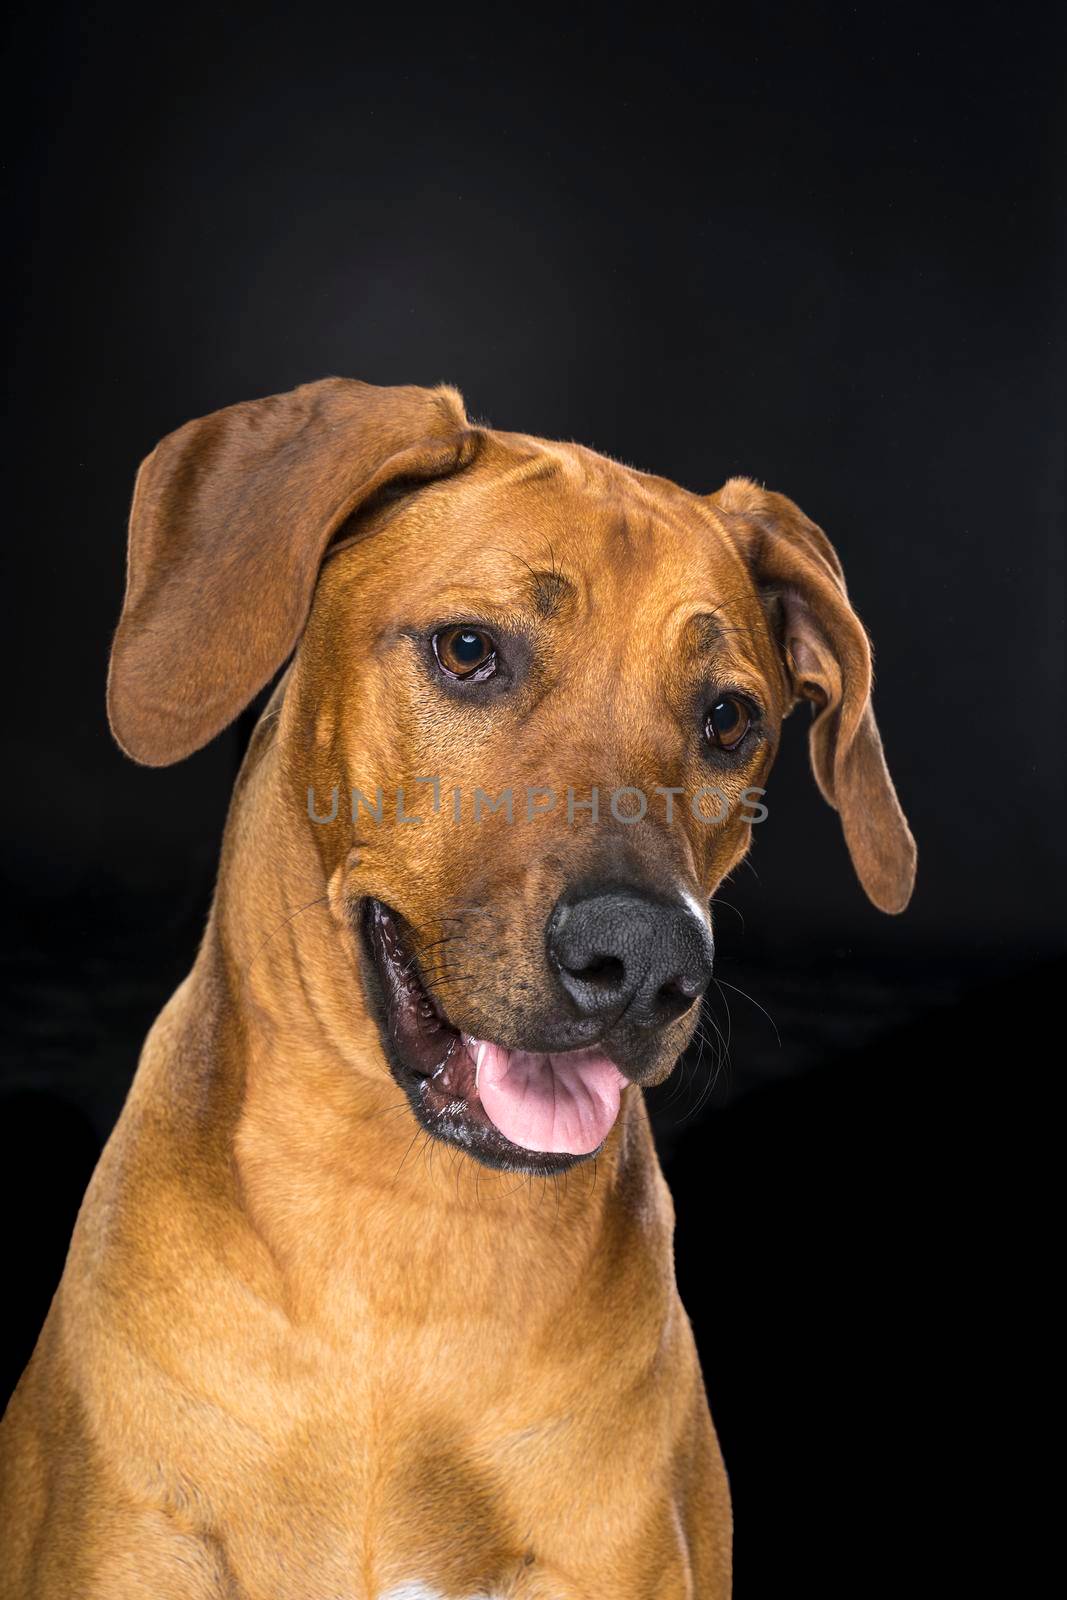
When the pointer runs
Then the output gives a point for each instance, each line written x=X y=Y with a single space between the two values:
x=727 y=723
x=465 y=653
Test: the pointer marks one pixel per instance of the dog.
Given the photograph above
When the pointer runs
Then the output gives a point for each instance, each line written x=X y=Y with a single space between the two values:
x=371 y=1295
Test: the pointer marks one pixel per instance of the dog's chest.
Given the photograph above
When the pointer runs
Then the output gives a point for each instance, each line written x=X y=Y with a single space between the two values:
x=426 y=1512
x=401 y=1502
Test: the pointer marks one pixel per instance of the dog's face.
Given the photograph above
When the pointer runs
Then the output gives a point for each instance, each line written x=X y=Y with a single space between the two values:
x=541 y=627
x=530 y=718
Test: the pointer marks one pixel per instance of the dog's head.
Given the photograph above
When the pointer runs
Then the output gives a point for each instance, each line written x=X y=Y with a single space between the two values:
x=535 y=699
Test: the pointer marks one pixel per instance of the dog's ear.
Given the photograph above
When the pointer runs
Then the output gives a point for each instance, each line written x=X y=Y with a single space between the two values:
x=231 y=518
x=827 y=660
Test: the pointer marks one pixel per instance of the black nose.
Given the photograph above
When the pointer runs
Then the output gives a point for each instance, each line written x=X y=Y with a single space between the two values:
x=621 y=950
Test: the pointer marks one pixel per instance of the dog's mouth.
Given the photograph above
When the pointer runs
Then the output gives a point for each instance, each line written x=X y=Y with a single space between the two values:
x=522 y=1110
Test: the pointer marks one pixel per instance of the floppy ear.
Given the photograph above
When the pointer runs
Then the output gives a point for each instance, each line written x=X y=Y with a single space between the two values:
x=231 y=517
x=827 y=660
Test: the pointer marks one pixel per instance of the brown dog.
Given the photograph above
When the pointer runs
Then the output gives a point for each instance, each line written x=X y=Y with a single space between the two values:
x=292 y=1355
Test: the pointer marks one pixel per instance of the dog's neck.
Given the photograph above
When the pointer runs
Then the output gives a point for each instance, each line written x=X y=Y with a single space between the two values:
x=336 y=1177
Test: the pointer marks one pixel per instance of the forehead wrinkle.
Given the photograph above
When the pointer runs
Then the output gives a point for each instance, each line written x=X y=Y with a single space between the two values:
x=515 y=594
x=544 y=590
x=713 y=630
x=582 y=543
x=720 y=632
x=545 y=586
x=693 y=520
x=711 y=640
x=641 y=516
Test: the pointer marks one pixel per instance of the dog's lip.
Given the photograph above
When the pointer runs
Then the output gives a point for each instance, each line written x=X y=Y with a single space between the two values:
x=557 y=1106
x=422 y=1035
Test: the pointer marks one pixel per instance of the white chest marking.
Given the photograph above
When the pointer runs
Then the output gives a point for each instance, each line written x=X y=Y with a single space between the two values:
x=417 y=1591
x=411 y=1591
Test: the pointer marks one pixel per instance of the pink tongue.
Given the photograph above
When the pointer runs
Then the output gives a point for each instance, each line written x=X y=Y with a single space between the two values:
x=563 y=1103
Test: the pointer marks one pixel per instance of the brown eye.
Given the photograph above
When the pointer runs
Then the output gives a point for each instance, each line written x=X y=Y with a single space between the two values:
x=465 y=653
x=727 y=723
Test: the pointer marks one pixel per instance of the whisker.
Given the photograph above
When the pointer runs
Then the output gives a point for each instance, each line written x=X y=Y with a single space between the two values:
x=719 y=901
x=407 y=1152
x=721 y=983
x=318 y=900
x=390 y=1111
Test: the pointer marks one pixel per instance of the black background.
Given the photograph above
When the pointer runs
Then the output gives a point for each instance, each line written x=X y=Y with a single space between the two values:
x=819 y=245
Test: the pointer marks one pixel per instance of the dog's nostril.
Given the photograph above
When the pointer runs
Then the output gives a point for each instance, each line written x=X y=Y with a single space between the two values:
x=607 y=972
x=678 y=994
